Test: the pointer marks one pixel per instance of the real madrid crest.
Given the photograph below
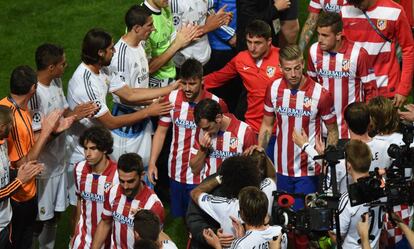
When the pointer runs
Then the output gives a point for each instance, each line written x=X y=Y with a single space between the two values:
x=234 y=142
x=381 y=24
x=270 y=71
x=345 y=65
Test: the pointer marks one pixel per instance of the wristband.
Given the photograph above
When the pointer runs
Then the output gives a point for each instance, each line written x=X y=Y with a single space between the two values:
x=218 y=179
x=305 y=145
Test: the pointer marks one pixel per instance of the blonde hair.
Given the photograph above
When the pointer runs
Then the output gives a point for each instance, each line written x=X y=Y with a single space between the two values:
x=290 y=53
x=384 y=116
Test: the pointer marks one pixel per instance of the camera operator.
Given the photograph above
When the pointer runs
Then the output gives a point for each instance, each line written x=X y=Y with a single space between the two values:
x=358 y=161
x=363 y=230
x=357 y=118
x=385 y=123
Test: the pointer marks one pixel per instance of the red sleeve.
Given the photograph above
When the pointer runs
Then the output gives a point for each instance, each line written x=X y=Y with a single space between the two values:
x=365 y=71
x=405 y=39
x=250 y=138
x=326 y=107
x=223 y=106
x=165 y=120
x=314 y=6
x=106 y=212
x=311 y=71
x=268 y=106
x=158 y=209
x=76 y=180
x=221 y=76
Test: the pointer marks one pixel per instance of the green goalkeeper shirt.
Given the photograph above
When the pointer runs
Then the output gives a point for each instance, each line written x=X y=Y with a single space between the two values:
x=160 y=40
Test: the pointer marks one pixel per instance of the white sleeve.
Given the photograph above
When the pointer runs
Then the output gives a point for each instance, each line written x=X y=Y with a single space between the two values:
x=35 y=107
x=268 y=186
x=91 y=93
x=344 y=214
x=212 y=205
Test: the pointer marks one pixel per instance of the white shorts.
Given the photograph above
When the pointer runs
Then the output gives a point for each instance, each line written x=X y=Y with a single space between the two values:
x=73 y=198
x=52 y=196
x=140 y=144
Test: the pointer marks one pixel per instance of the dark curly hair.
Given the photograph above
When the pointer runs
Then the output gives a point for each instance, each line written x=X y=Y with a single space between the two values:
x=100 y=136
x=238 y=172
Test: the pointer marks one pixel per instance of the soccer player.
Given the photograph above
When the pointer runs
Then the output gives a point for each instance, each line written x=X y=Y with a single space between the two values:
x=236 y=173
x=341 y=67
x=122 y=202
x=52 y=183
x=93 y=177
x=255 y=232
x=131 y=63
x=315 y=7
x=162 y=45
x=197 y=12
x=181 y=117
x=23 y=146
x=92 y=80
x=147 y=226
x=377 y=26
x=8 y=185
x=296 y=102
x=358 y=158
x=221 y=136
x=258 y=67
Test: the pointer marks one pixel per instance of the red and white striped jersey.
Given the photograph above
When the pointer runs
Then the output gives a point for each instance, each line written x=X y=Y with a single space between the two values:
x=315 y=6
x=390 y=19
x=184 y=132
x=348 y=75
x=238 y=137
x=91 y=190
x=305 y=109
x=122 y=209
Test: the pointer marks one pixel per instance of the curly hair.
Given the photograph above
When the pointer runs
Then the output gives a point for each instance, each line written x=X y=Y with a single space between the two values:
x=100 y=136
x=238 y=172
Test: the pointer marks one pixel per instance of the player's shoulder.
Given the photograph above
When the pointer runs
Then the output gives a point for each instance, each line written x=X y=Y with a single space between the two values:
x=267 y=183
x=243 y=241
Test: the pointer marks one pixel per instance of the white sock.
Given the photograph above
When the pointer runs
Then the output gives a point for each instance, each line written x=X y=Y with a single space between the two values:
x=48 y=235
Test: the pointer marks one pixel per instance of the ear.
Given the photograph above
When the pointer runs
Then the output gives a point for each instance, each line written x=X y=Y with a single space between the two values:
x=269 y=41
x=219 y=117
x=348 y=167
x=339 y=35
x=51 y=67
x=101 y=53
x=136 y=28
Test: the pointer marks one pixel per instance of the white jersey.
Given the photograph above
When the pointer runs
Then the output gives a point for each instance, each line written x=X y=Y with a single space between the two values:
x=192 y=11
x=86 y=86
x=259 y=238
x=220 y=209
x=5 y=207
x=268 y=185
x=380 y=159
x=168 y=244
x=131 y=64
x=349 y=218
x=44 y=101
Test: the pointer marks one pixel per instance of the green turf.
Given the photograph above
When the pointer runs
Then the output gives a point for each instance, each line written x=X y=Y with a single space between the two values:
x=25 y=24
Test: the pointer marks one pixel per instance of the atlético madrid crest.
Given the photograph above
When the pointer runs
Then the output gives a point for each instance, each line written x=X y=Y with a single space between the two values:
x=270 y=71
x=381 y=24
x=345 y=65
x=234 y=142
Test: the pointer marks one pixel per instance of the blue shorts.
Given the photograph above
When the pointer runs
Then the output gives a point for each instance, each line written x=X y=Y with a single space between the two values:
x=293 y=185
x=180 y=197
x=270 y=150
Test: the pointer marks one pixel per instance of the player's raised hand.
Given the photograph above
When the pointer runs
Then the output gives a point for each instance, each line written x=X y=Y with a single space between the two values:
x=85 y=110
x=205 y=142
x=211 y=238
x=249 y=151
x=238 y=227
x=158 y=108
x=300 y=138
x=409 y=114
x=225 y=238
x=281 y=4
x=29 y=170
x=187 y=34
